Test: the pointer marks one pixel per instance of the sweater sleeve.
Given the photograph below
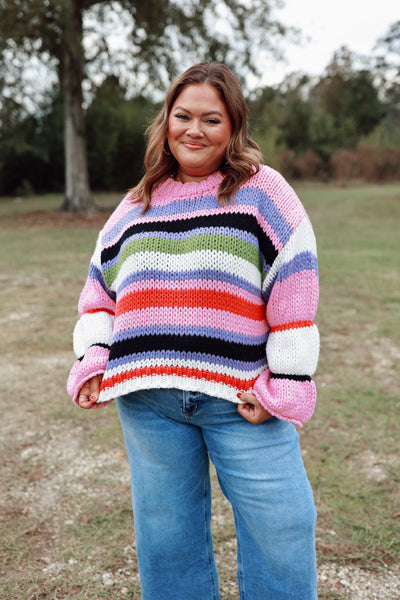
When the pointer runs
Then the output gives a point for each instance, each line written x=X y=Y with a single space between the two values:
x=285 y=388
x=94 y=329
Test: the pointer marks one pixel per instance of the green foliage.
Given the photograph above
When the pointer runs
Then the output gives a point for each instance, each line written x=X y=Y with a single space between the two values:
x=31 y=149
x=304 y=127
x=32 y=153
x=115 y=136
x=74 y=39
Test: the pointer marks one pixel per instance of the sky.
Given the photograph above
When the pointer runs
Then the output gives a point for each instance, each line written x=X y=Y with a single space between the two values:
x=356 y=24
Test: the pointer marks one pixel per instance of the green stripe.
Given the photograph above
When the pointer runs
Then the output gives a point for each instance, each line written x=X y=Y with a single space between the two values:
x=220 y=243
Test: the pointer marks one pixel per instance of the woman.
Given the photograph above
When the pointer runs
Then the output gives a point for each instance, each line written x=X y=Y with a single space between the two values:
x=197 y=316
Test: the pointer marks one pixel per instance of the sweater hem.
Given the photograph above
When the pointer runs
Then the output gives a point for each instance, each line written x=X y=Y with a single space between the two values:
x=186 y=384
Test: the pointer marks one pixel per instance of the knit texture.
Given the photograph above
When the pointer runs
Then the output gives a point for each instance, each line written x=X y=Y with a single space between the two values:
x=202 y=297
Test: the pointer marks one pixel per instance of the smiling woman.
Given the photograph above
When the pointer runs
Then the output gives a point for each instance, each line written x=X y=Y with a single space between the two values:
x=199 y=130
x=197 y=316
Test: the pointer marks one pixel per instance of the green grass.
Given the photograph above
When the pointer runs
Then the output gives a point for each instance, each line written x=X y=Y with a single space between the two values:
x=358 y=238
x=350 y=446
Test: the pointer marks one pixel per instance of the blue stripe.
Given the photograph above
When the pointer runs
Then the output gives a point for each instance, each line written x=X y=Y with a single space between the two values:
x=209 y=359
x=304 y=261
x=181 y=330
x=96 y=275
x=254 y=197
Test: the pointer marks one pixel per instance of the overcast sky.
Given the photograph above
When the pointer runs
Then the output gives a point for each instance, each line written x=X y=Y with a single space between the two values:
x=356 y=24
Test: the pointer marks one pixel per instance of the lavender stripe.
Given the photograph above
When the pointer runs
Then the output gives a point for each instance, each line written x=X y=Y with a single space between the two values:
x=304 y=261
x=211 y=333
x=193 y=356
x=207 y=274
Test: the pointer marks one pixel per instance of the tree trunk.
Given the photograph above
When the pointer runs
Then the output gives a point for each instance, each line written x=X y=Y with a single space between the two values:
x=77 y=188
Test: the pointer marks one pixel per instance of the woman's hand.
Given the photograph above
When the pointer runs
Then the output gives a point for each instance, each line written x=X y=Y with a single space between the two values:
x=89 y=392
x=252 y=410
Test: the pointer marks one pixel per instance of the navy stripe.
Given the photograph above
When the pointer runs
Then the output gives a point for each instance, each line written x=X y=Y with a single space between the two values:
x=294 y=377
x=167 y=344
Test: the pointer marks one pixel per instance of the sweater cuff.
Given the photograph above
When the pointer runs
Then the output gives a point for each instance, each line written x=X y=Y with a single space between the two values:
x=93 y=363
x=287 y=397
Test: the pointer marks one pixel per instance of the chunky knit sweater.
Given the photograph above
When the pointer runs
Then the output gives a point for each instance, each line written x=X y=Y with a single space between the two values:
x=205 y=297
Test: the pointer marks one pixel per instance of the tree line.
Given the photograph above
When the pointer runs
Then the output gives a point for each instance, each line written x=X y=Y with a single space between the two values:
x=344 y=124
x=79 y=39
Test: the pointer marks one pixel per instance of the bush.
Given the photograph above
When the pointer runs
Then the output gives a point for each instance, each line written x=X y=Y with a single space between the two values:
x=377 y=164
x=307 y=166
x=344 y=166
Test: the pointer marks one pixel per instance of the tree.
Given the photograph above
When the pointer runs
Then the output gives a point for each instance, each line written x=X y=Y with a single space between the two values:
x=71 y=36
x=296 y=112
x=388 y=74
x=346 y=105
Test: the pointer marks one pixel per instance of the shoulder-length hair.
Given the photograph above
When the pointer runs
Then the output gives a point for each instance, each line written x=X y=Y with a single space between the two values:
x=243 y=156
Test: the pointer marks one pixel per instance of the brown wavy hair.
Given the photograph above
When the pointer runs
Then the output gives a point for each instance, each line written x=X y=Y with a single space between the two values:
x=243 y=156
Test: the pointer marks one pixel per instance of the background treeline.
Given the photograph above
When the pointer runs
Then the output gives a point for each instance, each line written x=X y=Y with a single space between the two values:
x=342 y=126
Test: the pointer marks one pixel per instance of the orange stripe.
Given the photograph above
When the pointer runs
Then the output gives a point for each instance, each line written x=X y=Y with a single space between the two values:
x=180 y=372
x=293 y=325
x=190 y=299
x=92 y=311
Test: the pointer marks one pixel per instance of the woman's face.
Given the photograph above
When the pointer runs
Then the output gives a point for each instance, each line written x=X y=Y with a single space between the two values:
x=199 y=130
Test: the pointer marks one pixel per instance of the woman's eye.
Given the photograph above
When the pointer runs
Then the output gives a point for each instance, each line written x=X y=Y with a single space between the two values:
x=182 y=117
x=213 y=121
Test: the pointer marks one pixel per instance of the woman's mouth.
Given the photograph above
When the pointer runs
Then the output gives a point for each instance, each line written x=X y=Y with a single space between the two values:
x=193 y=145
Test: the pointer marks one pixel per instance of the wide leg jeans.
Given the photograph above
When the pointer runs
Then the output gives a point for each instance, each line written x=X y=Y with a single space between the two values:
x=170 y=436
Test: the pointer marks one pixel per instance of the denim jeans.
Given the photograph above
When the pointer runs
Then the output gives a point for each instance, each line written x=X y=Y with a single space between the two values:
x=170 y=436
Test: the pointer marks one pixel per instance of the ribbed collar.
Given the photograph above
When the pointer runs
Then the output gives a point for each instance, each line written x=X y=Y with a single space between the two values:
x=174 y=190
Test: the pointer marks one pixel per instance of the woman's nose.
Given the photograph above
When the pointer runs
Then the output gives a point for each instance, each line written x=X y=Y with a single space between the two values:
x=195 y=128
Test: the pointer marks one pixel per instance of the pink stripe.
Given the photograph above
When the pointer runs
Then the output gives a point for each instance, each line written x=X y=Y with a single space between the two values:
x=122 y=209
x=93 y=296
x=287 y=399
x=200 y=317
x=294 y=299
x=194 y=284
x=93 y=363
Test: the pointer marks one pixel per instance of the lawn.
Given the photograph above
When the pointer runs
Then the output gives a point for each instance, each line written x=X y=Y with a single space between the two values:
x=65 y=518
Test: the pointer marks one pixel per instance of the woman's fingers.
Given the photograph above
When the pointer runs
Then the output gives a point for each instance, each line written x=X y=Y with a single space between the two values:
x=252 y=410
x=90 y=391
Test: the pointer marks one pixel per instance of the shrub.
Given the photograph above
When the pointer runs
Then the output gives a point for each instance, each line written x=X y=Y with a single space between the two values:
x=344 y=166
x=377 y=164
x=307 y=166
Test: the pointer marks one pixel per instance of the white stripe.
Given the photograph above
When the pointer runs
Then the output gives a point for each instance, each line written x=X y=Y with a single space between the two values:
x=96 y=257
x=293 y=351
x=92 y=328
x=201 y=259
x=210 y=388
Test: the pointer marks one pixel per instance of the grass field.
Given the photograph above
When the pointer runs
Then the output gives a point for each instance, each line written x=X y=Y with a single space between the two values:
x=65 y=517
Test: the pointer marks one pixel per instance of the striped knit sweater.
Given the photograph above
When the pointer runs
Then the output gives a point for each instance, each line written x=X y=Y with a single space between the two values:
x=203 y=297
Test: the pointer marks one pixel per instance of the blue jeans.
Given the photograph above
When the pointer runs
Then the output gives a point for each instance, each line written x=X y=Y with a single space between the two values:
x=170 y=436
